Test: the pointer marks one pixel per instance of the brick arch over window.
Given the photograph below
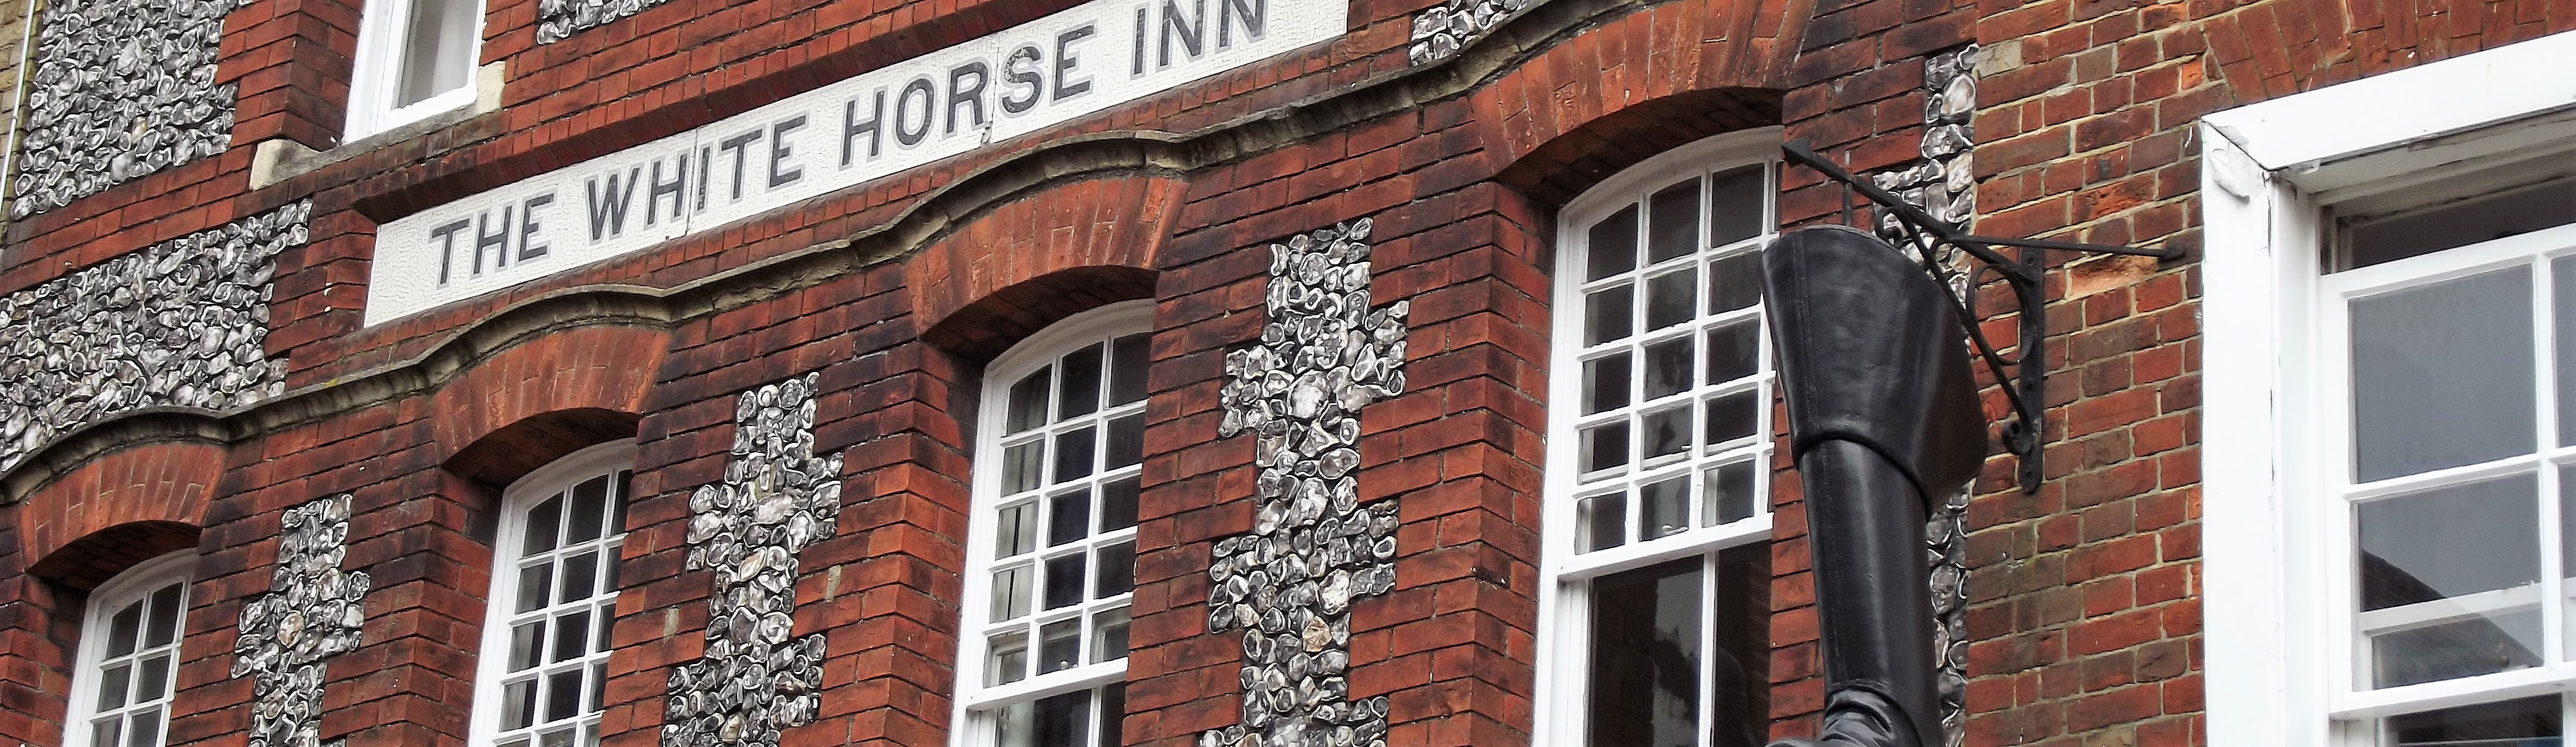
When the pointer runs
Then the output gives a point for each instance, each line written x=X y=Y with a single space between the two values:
x=1014 y=269
x=1564 y=166
x=119 y=509
x=543 y=398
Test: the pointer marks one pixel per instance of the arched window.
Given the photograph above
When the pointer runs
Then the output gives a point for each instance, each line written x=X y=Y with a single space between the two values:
x=1659 y=419
x=1051 y=553
x=554 y=592
x=129 y=652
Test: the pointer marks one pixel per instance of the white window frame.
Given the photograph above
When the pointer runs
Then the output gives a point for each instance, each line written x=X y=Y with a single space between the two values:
x=2278 y=667
x=1563 y=604
x=378 y=65
x=128 y=586
x=972 y=728
x=492 y=665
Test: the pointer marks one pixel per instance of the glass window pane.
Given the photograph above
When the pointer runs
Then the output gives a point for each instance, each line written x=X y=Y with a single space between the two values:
x=104 y=732
x=598 y=688
x=1007 y=658
x=1113 y=713
x=589 y=511
x=1605 y=382
x=543 y=526
x=2442 y=375
x=617 y=503
x=1068 y=517
x=1672 y=221
x=1605 y=446
x=1060 y=645
x=608 y=569
x=2453 y=542
x=2563 y=296
x=152 y=679
x=556 y=738
x=1117 y=571
x=1022 y=468
x=572 y=635
x=1736 y=198
x=563 y=695
x=1118 y=504
x=518 y=704
x=1733 y=351
x=1670 y=298
x=1073 y=454
x=165 y=617
x=1601 y=522
x=523 y=644
x=1644 y=670
x=1731 y=417
x=607 y=619
x=1064 y=577
x=535 y=584
x=1080 y=394
x=1128 y=363
x=1664 y=507
x=1735 y=282
x=2529 y=722
x=1126 y=442
x=1010 y=593
x=579 y=572
x=1666 y=432
x=1109 y=635
x=1668 y=367
x=144 y=728
x=124 y=628
x=1017 y=530
x=1064 y=720
x=113 y=685
x=438 y=49
x=1028 y=401
x=1612 y=246
x=1729 y=489
x=1607 y=314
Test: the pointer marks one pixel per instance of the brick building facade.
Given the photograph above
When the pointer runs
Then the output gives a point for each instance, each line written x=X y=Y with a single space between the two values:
x=1342 y=311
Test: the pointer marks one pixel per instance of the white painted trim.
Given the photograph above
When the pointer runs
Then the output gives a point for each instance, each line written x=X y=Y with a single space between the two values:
x=379 y=61
x=2404 y=106
x=131 y=584
x=2276 y=667
x=1040 y=349
x=1558 y=703
x=491 y=661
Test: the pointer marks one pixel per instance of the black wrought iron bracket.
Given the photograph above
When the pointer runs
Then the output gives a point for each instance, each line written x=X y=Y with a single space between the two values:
x=2024 y=374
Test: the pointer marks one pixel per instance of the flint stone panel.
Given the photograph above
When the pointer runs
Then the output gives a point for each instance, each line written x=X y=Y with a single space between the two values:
x=1439 y=32
x=179 y=324
x=121 y=89
x=776 y=498
x=1313 y=550
x=313 y=612
x=1944 y=184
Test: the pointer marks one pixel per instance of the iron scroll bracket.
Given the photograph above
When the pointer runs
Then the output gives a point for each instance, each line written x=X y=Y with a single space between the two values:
x=2024 y=376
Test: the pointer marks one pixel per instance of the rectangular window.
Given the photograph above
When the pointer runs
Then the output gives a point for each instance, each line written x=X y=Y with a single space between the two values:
x=416 y=58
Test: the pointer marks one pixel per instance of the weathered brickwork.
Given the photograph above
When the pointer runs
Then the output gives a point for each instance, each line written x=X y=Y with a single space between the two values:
x=860 y=323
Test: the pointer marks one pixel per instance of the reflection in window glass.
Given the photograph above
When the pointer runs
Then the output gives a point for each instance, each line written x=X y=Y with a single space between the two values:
x=564 y=580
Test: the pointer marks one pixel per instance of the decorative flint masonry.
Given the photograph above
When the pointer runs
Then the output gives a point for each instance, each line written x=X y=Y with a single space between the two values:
x=313 y=612
x=121 y=89
x=179 y=324
x=1313 y=549
x=1944 y=184
x=558 y=19
x=777 y=498
x=1438 y=33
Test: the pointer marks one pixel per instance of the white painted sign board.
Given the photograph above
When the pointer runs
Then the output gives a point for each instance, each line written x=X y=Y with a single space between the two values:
x=1045 y=72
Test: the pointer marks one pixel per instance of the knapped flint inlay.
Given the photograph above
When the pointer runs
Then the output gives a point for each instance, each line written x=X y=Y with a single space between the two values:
x=777 y=498
x=121 y=89
x=179 y=324
x=1313 y=550
x=313 y=611
x=1439 y=32
x=1944 y=184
